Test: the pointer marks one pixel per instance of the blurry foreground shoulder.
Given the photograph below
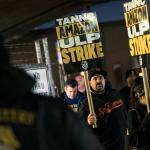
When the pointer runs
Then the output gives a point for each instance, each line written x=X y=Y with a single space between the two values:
x=66 y=127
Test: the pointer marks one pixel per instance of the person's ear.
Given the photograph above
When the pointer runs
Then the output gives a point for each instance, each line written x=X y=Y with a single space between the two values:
x=65 y=88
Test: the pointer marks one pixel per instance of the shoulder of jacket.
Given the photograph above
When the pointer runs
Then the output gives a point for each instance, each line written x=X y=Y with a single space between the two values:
x=134 y=111
x=111 y=90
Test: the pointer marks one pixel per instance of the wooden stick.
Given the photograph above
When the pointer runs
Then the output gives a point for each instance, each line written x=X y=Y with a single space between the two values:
x=145 y=82
x=90 y=102
x=146 y=87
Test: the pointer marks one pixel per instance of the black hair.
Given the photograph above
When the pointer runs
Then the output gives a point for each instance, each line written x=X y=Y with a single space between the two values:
x=71 y=82
x=128 y=73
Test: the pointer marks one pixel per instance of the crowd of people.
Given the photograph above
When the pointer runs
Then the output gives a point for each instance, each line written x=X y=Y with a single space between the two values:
x=122 y=119
x=31 y=121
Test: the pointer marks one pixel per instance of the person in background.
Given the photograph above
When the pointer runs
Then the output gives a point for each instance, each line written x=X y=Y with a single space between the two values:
x=126 y=90
x=81 y=83
x=30 y=121
x=109 y=112
x=125 y=93
x=71 y=96
x=139 y=119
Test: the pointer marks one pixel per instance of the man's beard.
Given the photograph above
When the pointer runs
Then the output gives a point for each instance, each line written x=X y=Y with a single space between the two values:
x=99 y=88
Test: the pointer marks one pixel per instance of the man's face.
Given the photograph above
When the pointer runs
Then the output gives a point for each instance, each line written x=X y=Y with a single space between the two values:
x=80 y=80
x=71 y=92
x=97 y=83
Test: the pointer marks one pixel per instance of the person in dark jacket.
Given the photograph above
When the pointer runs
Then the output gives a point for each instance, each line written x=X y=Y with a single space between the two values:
x=71 y=96
x=34 y=122
x=126 y=90
x=108 y=115
x=139 y=118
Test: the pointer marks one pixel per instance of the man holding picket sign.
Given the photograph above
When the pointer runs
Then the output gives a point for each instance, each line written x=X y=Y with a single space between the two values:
x=79 y=43
x=139 y=34
x=109 y=113
x=30 y=121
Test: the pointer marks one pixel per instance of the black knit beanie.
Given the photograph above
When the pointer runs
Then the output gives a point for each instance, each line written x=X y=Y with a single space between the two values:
x=97 y=72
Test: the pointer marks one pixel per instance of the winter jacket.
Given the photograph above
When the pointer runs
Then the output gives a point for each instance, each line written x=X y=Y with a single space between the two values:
x=139 y=127
x=125 y=96
x=73 y=104
x=110 y=121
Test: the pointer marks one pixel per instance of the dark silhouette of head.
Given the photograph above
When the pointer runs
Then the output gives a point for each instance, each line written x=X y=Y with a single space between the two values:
x=128 y=73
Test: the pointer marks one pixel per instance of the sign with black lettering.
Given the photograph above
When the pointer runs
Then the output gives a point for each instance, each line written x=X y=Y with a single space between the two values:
x=40 y=76
x=137 y=23
x=79 y=42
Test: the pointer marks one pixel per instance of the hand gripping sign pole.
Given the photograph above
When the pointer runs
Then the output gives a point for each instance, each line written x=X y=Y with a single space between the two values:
x=90 y=102
x=146 y=84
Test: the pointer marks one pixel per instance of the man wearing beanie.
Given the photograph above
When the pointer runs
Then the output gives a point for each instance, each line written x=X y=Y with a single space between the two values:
x=33 y=122
x=109 y=112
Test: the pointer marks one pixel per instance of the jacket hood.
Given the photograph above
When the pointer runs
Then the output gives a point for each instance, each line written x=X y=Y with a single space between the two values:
x=14 y=82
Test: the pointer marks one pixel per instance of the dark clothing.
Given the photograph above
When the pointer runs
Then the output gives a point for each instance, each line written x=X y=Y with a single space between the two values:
x=110 y=118
x=139 y=127
x=32 y=122
x=125 y=96
x=73 y=103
